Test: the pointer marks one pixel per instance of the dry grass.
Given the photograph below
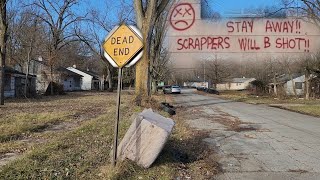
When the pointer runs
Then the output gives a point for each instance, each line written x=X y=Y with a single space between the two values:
x=310 y=107
x=307 y=109
x=63 y=153
x=81 y=151
x=19 y=125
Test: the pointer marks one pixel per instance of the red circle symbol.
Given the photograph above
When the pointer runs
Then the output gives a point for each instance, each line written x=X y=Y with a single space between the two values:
x=182 y=16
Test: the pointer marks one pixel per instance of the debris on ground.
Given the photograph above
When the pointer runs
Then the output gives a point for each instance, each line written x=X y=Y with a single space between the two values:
x=145 y=138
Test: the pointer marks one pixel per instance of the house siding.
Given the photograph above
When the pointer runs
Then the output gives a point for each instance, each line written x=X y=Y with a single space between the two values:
x=70 y=84
x=86 y=79
x=289 y=86
x=10 y=93
x=234 y=86
x=17 y=85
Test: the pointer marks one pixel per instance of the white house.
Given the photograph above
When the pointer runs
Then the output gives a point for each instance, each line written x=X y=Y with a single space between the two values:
x=298 y=85
x=196 y=84
x=235 y=84
x=89 y=80
x=70 y=80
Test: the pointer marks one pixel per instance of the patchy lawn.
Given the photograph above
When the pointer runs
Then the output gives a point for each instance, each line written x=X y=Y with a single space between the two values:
x=310 y=107
x=70 y=137
x=306 y=109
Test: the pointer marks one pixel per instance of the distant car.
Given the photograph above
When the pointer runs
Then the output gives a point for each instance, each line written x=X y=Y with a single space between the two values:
x=175 y=89
x=201 y=88
x=167 y=89
x=212 y=91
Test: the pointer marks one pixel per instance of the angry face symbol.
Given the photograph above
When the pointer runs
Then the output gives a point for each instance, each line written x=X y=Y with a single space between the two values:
x=182 y=16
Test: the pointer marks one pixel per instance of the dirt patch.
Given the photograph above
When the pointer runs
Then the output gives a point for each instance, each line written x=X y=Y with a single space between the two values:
x=8 y=157
x=195 y=159
x=231 y=123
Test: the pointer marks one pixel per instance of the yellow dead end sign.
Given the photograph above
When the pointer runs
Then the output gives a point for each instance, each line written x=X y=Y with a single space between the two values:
x=123 y=48
x=123 y=45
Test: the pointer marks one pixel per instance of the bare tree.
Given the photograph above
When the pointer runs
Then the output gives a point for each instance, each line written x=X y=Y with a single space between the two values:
x=308 y=9
x=58 y=16
x=3 y=42
x=92 y=39
x=309 y=65
x=159 y=56
x=147 y=13
x=98 y=24
x=23 y=39
x=312 y=9
x=216 y=70
x=288 y=67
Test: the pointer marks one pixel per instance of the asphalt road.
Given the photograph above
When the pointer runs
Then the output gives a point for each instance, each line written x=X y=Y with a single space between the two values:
x=256 y=141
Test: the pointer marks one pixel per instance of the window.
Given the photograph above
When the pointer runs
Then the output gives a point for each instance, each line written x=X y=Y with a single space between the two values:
x=298 y=85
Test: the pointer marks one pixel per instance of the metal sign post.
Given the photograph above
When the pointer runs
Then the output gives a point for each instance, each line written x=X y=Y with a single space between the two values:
x=116 y=125
x=123 y=48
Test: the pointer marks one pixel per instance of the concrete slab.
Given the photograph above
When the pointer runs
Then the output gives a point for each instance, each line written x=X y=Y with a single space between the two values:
x=145 y=138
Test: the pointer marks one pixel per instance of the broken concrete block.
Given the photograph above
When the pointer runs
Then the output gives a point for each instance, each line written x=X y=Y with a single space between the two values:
x=145 y=138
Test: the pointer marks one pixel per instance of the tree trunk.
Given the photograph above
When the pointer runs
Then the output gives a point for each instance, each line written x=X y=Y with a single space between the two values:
x=154 y=87
x=51 y=75
x=145 y=22
x=27 y=72
x=142 y=72
x=307 y=80
x=109 y=78
x=275 y=91
x=3 y=40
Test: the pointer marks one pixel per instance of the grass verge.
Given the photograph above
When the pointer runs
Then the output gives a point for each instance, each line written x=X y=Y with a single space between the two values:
x=309 y=107
x=306 y=109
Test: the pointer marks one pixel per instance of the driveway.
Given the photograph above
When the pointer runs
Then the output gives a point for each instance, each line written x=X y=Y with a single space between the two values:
x=255 y=141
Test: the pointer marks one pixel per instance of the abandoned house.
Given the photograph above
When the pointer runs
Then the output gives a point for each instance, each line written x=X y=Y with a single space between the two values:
x=89 y=80
x=235 y=84
x=294 y=85
x=71 y=81
x=15 y=83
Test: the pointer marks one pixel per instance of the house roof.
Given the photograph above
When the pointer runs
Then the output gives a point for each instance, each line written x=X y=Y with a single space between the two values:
x=40 y=62
x=285 y=77
x=91 y=73
x=94 y=74
x=9 y=70
x=68 y=72
x=241 y=80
